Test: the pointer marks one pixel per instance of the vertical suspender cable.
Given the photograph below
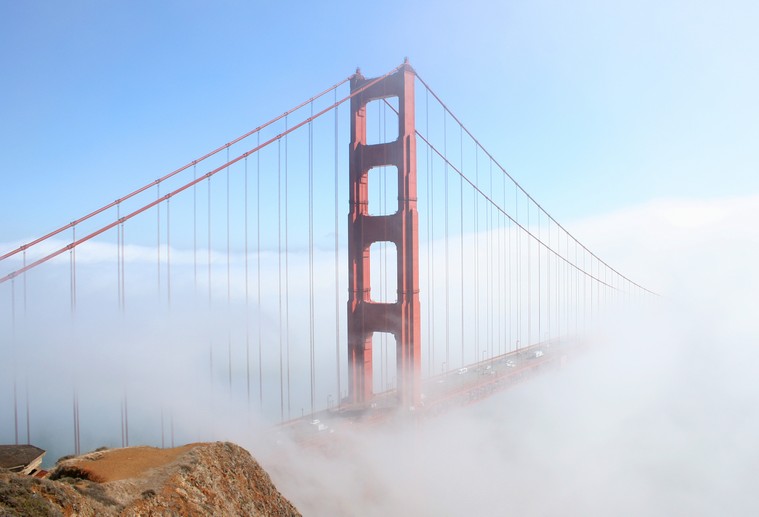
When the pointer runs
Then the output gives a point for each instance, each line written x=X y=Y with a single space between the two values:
x=518 y=245
x=496 y=269
x=430 y=242
x=488 y=347
x=72 y=267
x=13 y=310
x=229 y=280
x=337 y=260
x=77 y=442
x=564 y=286
x=475 y=256
x=602 y=292
x=447 y=270
x=247 y=289
x=311 y=258
x=118 y=255
x=428 y=333
x=15 y=413
x=24 y=282
x=75 y=401
x=168 y=283
x=168 y=252
x=13 y=339
x=491 y=255
x=229 y=289
x=461 y=237
x=28 y=419
x=574 y=286
x=548 y=279
x=26 y=381
x=567 y=283
x=559 y=279
x=589 y=277
x=287 y=277
x=121 y=414
x=209 y=243
x=476 y=260
x=126 y=419
x=195 y=229
x=279 y=268
x=123 y=269
x=599 y=287
x=499 y=270
x=158 y=240
x=538 y=246
x=577 y=290
x=510 y=280
x=210 y=345
x=258 y=274
x=529 y=277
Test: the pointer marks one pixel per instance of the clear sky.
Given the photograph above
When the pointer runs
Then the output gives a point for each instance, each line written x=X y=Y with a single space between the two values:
x=593 y=106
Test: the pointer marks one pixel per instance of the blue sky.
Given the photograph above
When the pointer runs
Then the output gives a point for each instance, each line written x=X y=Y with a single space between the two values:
x=593 y=106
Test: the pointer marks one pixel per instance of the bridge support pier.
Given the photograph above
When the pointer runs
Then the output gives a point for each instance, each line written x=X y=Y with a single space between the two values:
x=365 y=316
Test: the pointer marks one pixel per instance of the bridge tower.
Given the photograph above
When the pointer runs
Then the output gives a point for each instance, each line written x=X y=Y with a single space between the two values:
x=365 y=316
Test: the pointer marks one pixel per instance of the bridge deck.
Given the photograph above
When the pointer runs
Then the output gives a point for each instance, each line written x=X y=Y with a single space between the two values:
x=440 y=393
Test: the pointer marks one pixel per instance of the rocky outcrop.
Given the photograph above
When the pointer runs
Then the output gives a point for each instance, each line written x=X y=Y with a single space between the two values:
x=198 y=479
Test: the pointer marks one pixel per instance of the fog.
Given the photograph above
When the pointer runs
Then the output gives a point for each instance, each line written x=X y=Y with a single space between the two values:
x=662 y=426
x=657 y=417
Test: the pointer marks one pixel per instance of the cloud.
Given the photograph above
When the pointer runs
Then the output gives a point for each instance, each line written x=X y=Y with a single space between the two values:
x=657 y=418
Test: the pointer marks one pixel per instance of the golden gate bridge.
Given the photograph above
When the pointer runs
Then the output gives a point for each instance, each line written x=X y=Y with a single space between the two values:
x=360 y=250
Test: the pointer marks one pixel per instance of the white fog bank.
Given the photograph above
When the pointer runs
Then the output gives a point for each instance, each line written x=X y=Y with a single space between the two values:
x=659 y=417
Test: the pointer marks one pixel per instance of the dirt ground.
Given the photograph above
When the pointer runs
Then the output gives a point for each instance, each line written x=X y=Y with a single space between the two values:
x=132 y=462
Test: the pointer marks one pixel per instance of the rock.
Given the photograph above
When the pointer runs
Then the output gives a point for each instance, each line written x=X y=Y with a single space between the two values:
x=198 y=479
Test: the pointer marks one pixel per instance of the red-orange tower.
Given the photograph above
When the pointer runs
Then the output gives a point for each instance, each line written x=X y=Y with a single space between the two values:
x=365 y=316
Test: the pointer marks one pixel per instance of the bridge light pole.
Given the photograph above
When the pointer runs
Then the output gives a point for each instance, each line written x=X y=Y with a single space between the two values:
x=366 y=316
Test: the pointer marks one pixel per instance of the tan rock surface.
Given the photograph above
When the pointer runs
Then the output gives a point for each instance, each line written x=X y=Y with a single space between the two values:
x=198 y=479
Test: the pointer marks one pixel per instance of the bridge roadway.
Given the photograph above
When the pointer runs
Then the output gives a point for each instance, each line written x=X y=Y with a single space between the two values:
x=440 y=393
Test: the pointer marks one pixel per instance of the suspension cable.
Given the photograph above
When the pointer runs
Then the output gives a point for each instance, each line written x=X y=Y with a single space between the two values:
x=525 y=229
x=519 y=186
x=177 y=171
x=207 y=175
